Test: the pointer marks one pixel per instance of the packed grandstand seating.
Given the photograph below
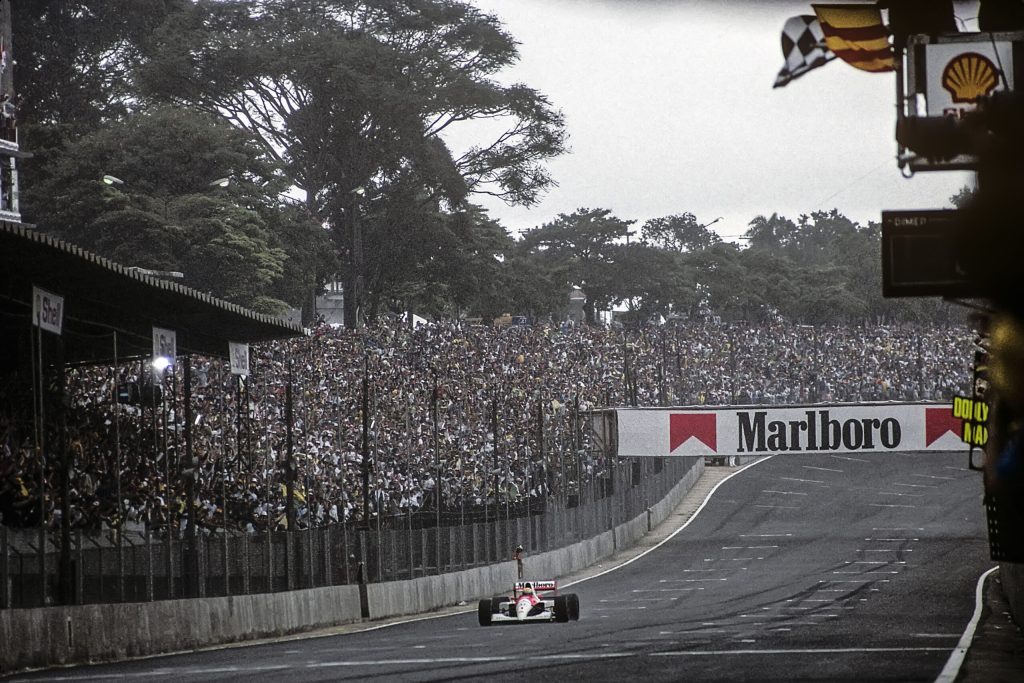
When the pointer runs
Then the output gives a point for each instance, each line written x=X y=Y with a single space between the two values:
x=472 y=374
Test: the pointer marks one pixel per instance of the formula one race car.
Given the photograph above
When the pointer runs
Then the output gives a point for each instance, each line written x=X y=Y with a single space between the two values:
x=527 y=605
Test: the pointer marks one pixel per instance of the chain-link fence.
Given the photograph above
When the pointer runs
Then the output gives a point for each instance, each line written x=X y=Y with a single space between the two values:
x=138 y=567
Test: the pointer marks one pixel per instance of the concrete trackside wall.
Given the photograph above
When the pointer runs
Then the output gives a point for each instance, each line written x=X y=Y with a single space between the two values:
x=84 y=633
x=1011 y=577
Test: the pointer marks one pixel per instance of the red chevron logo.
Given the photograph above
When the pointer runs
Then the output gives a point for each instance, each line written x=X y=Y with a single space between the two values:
x=702 y=426
x=938 y=421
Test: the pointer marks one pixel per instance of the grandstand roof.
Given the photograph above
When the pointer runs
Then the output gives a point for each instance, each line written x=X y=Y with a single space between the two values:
x=101 y=296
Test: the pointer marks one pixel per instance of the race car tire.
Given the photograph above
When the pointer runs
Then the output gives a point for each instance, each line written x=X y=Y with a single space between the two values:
x=561 y=609
x=573 y=603
x=496 y=603
x=484 y=612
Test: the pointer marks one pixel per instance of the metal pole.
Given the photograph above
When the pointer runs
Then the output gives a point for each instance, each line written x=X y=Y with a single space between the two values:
x=38 y=409
x=289 y=503
x=494 y=442
x=365 y=465
x=191 y=476
x=117 y=482
x=437 y=476
x=67 y=582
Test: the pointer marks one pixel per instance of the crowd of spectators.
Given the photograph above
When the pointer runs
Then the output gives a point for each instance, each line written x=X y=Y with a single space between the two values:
x=434 y=394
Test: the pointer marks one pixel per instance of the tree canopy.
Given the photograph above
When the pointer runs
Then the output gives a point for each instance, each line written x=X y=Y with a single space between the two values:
x=331 y=120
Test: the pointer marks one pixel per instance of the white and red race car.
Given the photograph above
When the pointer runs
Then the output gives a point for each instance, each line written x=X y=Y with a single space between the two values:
x=531 y=601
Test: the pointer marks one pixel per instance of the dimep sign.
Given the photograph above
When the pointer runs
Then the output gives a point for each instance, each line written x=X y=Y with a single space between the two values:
x=751 y=430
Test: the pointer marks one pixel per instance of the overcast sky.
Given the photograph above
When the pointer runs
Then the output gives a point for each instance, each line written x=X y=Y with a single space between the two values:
x=670 y=108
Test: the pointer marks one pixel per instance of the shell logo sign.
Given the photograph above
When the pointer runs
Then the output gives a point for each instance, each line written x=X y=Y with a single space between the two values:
x=969 y=76
x=954 y=75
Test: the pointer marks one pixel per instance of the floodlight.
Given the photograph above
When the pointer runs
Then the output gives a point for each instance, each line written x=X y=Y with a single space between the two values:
x=160 y=363
x=221 y=182
x=112 y=180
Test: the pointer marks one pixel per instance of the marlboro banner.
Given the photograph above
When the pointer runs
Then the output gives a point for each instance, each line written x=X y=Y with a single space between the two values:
x=752 y=430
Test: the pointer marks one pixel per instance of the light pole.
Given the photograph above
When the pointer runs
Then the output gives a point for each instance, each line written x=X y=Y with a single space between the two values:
x=353 y=307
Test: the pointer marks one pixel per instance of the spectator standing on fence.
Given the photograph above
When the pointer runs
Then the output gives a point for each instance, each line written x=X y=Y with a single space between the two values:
x=517 y=555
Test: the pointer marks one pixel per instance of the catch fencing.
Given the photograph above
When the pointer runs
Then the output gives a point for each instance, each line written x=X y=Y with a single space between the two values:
x=138 y=567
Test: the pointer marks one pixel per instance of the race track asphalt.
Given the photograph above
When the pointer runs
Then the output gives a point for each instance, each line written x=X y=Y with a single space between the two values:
x=799 y=568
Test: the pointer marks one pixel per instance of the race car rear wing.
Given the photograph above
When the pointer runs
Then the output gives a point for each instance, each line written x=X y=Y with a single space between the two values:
x=538 y=586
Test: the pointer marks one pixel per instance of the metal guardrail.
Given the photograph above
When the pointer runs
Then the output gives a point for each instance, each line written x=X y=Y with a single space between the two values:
x=138 y=567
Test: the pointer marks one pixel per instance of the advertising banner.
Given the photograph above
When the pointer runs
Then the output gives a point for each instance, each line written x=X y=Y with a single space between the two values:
x=47 y=310
x=165 y=344
x=239 y=354
x=958 y=73
x=755 y=430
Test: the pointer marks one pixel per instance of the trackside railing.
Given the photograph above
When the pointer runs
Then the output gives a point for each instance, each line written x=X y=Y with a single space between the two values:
x=140 y=567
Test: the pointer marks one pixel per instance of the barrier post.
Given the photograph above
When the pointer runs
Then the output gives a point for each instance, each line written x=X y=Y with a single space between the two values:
x=225 y=564
x=149 y=564
x=246 y=589
x=409 y=545
x=5 y=569
x=325 y=545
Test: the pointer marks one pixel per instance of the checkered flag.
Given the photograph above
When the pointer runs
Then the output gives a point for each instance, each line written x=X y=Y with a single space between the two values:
x=803 y=46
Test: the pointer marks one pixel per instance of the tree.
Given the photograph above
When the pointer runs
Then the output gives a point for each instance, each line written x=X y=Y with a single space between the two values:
x=162 y=211
x=650 y=280
x=581 y=243
x=357 y=98
x=679 y=233
x=74 y=59
x=770 y=234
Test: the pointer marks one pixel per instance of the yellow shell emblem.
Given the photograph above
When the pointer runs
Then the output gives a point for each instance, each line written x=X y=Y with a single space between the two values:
x=969 y=76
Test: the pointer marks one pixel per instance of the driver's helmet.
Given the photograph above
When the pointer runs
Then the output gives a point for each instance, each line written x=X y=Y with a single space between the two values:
x=527 y=589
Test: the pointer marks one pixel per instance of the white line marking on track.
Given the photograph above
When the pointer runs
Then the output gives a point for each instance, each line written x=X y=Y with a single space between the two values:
x=805 y=481
x=890 y=505
x=778 y=507
x=764 y=535
x=934 y=476
x=840 y=457
x=688 y=580
x=892 y=539
x=900 y=493
x=784 y=493
x=917 y=486
x=666 y=590
x=823 y=469
x=807 y=651
x=672 y=535
x=898 y=528
x=951 y=670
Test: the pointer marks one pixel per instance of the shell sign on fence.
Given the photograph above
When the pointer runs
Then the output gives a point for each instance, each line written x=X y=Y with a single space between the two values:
x=752 y=430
